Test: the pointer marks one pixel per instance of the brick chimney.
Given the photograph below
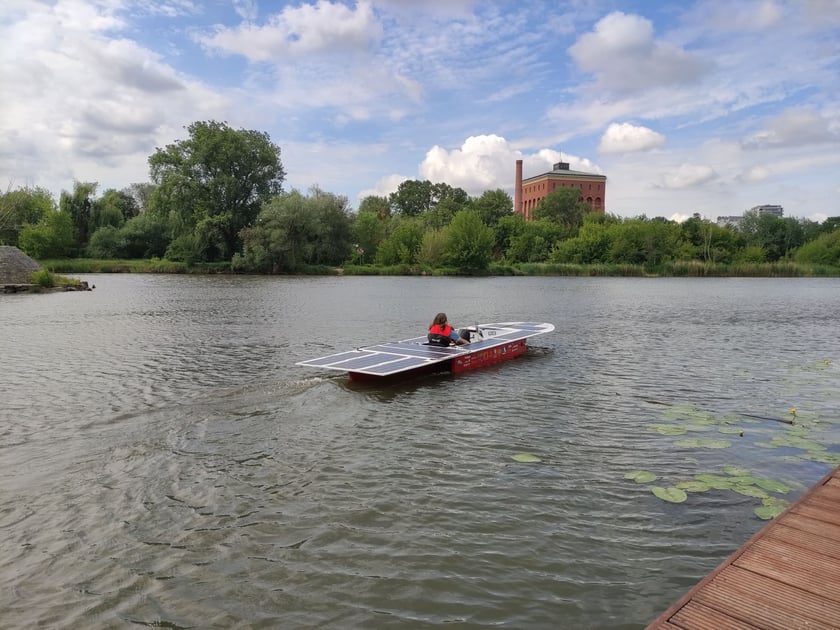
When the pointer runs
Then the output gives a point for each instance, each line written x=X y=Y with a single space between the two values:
x=517 y=191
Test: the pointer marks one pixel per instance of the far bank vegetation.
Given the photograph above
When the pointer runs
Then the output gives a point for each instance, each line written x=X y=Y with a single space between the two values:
x=216 y=203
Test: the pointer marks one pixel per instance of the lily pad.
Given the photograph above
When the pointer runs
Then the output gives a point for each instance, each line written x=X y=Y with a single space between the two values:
x=735 y=472
x=772 y=486
x=672 y=495
x=731 y=430
x=640 y=476
x=749 y=491
x=718 y=482
x=692 y=443
x=768 y=512
x=693 y=486
x=668 y=429
x=526 y=458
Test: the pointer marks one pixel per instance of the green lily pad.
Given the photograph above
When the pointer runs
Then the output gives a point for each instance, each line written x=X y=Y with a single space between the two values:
x=640 y=476
x=667 y=429
x=526 y=458
x=775 y=502
x=749 y=491
x=692 y=443
x=832 y=459
x=718 y=482
x=731 y=430
x=768 y=512
x=672 y=495
x=772 y=486
x=693 y=486
x=735 y=472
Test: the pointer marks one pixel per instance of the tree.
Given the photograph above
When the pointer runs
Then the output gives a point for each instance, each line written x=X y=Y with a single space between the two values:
x=282 y=239
x=332 y=239
x=403 y=243
x=534 y=242
x=412 y=197
x=492 y=206
x=52 y=237
x=21 y=207
x=824 y=250
x=775 y=235
x=367 y=231
x=644 y=241
x=142 y=195
x=563 y=207
x=78 y=205
x=111 y=209
x=145 y=236
x=213 y=184
x=469 y=243
x=379 y=206
x=591 y=245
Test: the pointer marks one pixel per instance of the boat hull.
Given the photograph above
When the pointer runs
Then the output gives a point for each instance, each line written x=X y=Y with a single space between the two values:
x=465 y=363
x=489 y=356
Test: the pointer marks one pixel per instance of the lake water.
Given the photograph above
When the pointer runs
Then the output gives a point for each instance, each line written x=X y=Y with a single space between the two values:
x=163 y=462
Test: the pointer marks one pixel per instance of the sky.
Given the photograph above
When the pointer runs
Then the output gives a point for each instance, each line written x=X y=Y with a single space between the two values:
x=704 y=106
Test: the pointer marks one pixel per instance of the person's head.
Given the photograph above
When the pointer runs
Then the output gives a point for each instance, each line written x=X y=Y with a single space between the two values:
x=440 y=320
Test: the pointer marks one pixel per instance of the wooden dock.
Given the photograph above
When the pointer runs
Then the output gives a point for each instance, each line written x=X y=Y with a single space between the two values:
x=787 y=576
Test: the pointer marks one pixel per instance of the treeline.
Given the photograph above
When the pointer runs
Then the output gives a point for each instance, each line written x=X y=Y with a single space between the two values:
x=217 y=197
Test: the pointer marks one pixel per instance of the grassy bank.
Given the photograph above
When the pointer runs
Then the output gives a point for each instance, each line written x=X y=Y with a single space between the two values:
x=694 y=269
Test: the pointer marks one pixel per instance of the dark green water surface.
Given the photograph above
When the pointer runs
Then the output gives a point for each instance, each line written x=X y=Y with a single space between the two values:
x=164 y=463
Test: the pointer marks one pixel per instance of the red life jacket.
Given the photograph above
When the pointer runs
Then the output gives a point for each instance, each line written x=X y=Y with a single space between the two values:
x=439 y=335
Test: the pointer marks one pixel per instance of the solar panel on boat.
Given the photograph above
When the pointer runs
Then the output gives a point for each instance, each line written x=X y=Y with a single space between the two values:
x=401 y=356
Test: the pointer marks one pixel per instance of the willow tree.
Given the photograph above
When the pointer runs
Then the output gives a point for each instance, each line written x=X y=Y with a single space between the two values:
x=213 y=184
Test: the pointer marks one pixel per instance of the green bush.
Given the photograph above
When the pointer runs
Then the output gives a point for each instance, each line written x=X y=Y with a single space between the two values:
x=43 y=278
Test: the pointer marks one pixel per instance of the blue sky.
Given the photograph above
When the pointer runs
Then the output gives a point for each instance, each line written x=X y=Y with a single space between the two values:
x=705 y=106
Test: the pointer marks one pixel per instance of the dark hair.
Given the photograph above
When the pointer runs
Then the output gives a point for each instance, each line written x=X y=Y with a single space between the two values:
x=440 y=320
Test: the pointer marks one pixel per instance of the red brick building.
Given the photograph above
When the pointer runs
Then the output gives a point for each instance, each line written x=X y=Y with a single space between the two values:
x=530 y=192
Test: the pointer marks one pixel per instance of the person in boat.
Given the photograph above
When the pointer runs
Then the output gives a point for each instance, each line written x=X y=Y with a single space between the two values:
x=442 y=334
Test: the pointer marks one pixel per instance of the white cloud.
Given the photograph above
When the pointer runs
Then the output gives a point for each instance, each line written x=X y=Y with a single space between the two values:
x=627 y=138
x=300 y=32
x=755 y=174
x=745 y=15
x=688 y=176
x=625 y=58
x=482 y=163
x=795 y=127
x=246 y=9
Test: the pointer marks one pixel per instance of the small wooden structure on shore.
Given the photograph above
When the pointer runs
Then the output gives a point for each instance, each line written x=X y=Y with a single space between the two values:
x=786 y=576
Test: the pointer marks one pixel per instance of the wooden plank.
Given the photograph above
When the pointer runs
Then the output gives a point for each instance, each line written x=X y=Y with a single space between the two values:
x=803 y=523
x=767 y=603
x=784 y=578
x=818 y=512
x=699 y=617
x=812 y=541
x=792 y=565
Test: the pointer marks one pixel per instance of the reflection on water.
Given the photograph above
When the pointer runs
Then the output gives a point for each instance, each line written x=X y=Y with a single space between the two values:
x=165 y=463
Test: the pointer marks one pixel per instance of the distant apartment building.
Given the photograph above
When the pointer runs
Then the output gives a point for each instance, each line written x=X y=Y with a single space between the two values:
x=775 y=211
x=528 y=193
x=732 y=221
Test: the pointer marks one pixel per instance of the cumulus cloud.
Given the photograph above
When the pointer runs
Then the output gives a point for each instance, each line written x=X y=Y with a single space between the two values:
x=627 y=138
x=482 y=163
x=301 y=31
x=687 y=176
x=795 y=127
x=746 y=15
x=625 y=58
x=755 y=174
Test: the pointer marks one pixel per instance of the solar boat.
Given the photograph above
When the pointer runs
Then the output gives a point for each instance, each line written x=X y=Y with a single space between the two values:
x=490 y=344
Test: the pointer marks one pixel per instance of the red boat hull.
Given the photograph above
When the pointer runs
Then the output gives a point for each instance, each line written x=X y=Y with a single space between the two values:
x=490 y=356
x=465 y=363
